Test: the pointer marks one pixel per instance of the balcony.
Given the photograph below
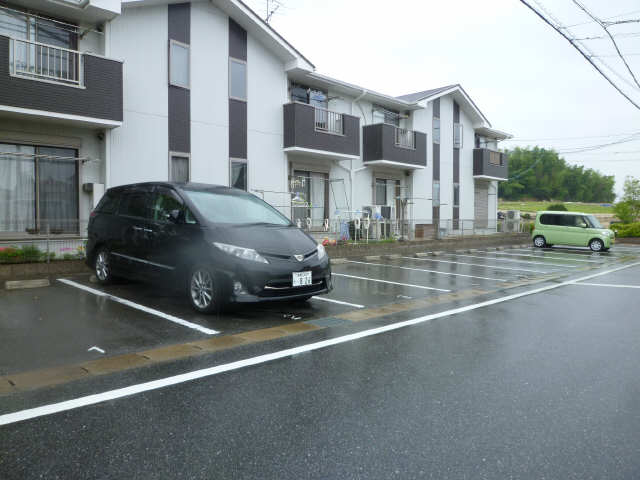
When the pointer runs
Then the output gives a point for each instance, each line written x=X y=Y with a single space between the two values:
x=320 y=133
x=43 y=82
x=490 y=165
x=385 y=144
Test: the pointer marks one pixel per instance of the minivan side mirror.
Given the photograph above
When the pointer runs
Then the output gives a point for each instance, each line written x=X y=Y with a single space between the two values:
x=174 y=216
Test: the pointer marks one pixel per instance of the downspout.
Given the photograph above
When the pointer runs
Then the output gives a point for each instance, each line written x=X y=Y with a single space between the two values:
x=352 y=171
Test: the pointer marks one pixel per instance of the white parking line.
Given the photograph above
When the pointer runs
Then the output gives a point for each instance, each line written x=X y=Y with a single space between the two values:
x=128 y=303
x=545 y=254
x=510 y=260
x=339 y=302
x=423 y=270
x=389 y=282
x=608 y=285
x=476 y=265
x=50 y=409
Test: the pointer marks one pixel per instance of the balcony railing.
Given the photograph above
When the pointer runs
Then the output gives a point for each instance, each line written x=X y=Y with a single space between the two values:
x=46 y=62
x=405 y=138
x=328 y=121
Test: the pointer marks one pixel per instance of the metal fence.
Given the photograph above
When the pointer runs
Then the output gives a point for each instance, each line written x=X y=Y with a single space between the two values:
x=44 y=61
x=328 y=121
x=361 y=230
x=42 y=241
x=405 y=138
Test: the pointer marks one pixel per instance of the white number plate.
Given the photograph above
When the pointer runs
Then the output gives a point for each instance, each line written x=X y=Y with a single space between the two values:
x=301 y=279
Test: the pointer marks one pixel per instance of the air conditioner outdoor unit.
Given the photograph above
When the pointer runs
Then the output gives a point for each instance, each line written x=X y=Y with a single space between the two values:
x=513 y=214
x=512 y=223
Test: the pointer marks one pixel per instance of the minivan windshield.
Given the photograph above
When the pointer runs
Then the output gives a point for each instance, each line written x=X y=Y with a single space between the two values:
x=594 y=223
x=235 y=208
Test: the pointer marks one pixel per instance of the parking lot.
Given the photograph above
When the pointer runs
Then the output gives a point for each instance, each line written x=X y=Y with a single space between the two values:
x=76 y=324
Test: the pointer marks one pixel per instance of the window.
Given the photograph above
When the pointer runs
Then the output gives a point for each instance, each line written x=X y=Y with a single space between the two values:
x=135 y=203
x=436 y=130
x=310 y=197
x=456 y=194
x=179 y=68
x=381 y=191
x=435 y=197
x=166 y=201
x=457 y=135
x=38 y=189
x=237 y=79
x=235 y=208
x=238 y=172
x=382 y=115
x=178 y=167
x=108 y=203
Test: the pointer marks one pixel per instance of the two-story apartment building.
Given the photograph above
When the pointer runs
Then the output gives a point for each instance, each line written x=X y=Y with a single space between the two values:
x=100 y=93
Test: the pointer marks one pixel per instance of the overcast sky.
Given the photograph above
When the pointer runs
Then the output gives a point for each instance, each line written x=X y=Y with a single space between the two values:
x=525 y=78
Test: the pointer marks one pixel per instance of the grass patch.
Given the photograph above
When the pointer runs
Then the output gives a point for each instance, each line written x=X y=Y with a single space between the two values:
x=526 y=206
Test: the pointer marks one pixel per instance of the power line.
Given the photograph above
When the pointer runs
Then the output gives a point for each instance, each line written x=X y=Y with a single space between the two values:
x=613 y=40
x=608 y=18
x=573 y=43
x=602 y=37
x=573 y=138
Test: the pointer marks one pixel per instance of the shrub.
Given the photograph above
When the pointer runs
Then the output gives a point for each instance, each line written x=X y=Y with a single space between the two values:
x=526 y=216
x=557 y=207
x=626 y=229
x=625 y=211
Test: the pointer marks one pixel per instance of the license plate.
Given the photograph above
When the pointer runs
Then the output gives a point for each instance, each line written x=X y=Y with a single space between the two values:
x=301 y=279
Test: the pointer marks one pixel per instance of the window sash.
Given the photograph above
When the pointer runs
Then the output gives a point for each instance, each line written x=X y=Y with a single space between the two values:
x=179 y=167
x=237 y=79
x=238 y=174
x=179 y=64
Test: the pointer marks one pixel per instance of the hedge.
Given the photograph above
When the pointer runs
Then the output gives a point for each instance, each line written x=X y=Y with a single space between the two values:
x=624 y=230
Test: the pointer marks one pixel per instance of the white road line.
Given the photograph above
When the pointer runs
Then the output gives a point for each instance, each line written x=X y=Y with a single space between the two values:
x=339 y=302
x=608 y=285
x=50 y=409
x=545 y=254
x=389 y=282
x=510 y=260
x=424 y=270
x=128 y=303
x=476 y=265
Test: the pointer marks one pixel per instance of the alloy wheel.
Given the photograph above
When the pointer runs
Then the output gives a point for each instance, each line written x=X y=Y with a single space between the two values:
x=596 y=245
x=538 y=242
x=202 y=289
x=102 y=266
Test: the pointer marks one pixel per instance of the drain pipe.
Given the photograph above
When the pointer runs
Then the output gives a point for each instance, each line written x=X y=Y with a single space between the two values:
x=352 y=171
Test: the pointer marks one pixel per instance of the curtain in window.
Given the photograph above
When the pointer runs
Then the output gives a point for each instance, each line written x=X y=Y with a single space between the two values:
x=179 y=169
x=58 y=189
x=17 y=188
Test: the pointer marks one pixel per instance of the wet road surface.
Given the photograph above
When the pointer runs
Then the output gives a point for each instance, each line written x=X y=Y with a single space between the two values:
x=541 y=386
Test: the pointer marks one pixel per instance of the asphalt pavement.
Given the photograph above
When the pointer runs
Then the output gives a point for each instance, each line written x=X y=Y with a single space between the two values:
x=533 y=376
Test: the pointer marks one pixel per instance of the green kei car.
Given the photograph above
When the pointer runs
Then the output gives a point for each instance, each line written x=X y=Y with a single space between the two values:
x=571 y=228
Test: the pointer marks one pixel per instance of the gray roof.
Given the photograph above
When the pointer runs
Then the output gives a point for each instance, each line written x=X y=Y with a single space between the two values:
x=416 y=97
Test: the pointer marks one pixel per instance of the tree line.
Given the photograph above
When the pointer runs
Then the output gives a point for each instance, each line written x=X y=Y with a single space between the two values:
x=540 y=174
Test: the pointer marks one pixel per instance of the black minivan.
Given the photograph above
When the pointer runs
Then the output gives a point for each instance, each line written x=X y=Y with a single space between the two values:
x=220 y=244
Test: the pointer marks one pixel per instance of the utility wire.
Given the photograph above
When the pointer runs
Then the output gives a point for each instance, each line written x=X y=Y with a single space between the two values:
x=573 y=43
x=608 y=18
x=613 y=40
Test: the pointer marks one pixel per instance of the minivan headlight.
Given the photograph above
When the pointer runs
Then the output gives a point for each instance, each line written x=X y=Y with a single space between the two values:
x=321 y=252
x=241 y=252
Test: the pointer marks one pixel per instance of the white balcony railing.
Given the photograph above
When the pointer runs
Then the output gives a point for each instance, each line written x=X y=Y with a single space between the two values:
x=405 y=138
x=46 y=62
x=328 y=121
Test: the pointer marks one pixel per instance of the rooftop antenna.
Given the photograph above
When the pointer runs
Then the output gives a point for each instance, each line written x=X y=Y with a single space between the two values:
x=270 y=11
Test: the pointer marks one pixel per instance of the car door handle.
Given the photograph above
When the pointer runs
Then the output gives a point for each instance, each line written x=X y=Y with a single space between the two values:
x=137 y=229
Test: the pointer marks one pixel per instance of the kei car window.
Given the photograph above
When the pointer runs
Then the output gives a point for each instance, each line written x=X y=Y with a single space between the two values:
x=234 y=208
x=593 y=222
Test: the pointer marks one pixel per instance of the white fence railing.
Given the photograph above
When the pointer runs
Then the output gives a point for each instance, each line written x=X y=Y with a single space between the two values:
x=39 y=60
x=328 y=121
x=405 y=138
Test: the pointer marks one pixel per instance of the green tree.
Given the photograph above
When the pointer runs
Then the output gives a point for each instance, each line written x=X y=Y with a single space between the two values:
x=628 y=209
x=540 y=174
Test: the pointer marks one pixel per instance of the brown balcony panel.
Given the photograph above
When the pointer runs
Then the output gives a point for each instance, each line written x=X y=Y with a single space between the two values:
x=490 y=164
x=328 y=132
x=382 y=144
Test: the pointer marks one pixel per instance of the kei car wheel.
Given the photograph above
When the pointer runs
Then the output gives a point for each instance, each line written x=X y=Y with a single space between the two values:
x=539 y=242
x=102 y=267
x=596 y=245
x=202 y=290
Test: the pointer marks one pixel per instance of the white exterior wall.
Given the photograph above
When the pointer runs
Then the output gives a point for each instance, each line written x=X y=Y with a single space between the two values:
x=266 y=95
x=467 y=185
x=209 y=94
x=139 y=148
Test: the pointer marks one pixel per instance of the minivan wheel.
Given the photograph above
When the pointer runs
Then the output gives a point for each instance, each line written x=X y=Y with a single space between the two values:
x=102 y=268
x=539 y=241
x=596 y=245
x=202 y=290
